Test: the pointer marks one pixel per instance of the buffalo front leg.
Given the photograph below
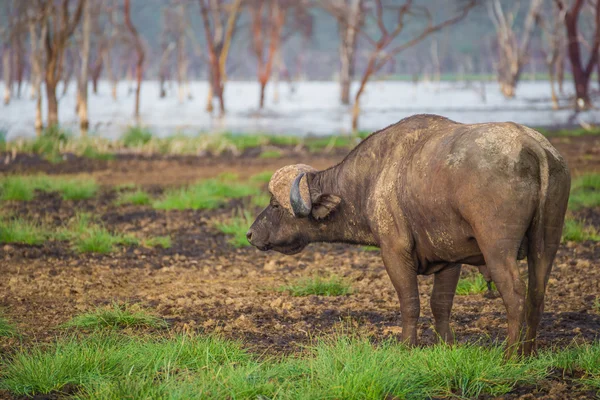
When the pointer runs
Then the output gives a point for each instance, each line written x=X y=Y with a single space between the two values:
x=403 y=274
x=442 y=297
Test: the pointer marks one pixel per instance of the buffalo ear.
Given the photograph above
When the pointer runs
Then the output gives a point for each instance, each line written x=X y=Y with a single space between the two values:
x=324 y=205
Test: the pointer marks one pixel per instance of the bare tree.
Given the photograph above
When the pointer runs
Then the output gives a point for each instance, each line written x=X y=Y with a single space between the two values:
x=183 y=27
x=37 y=24
x=512 y=52
x=266 y=32
x=349 y=16
x=382 y=53
x=18 y=36
x=167 y=46
x=215 y=15
x=139 y=49
x=82 y=89
x=554 y=44
x=6 y=72
x=6 y=33
x=61 y=25
x=581 y=71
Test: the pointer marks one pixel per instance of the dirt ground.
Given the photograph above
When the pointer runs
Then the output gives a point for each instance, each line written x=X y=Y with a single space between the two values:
x=204 y=284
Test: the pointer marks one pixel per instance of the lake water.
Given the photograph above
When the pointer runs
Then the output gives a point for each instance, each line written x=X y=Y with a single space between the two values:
x=306 y=108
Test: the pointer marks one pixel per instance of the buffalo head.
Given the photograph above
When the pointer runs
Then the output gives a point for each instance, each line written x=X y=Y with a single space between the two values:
x=297 y=213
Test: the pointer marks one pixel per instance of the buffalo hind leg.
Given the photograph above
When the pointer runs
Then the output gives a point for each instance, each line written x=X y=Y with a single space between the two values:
x=442 y=297
x=403 y=274
x=504 y=271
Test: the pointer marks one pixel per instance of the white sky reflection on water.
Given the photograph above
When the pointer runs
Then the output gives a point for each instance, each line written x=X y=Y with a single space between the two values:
x=310 y=108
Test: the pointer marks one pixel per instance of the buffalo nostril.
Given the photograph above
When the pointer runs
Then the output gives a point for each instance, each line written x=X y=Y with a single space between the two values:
x=249 y=235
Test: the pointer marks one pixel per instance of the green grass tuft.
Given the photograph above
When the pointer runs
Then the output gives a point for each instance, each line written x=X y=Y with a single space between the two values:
x=583 y=358
x=112 y=366
x=6 y=328
x=585 y=192
x=136 y=136
x=117 y=316
x=577 y=231
x=261 y=200
x=330 y=142
x=109 y=365
x=370 y=248
x=92 y=153
x=88 y=236
x=21 y=231
x=159 y=241
x=22 y=188
x=208 y=194
x=474 y=284
x=17 y=189
x=237 y=227
x=139 y=198
x=352 y=368
x=270 y=154
x=262 y=177
x=74 y=189
x=332 y=286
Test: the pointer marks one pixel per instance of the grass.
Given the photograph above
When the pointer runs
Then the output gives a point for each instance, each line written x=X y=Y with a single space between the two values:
x=22 y=188
x=585 y=191
x=87 y=236
x=577 y=231
x=370 y=248
x=136 y=136
x=139 y=198
x=261 y=200
x=270 y=154
x=579 y=358
x=109 y=365
x=158 y=241
x=474 y=284
x=117 y=316
x=52 y=144
x=82 y=231
x=332 y=286
x=22 y=231
x=329 y=142
x=6 y=328
x=208 y=194
x=262 y=177
x=236 y=227
x=572 y=132
x=93 y=153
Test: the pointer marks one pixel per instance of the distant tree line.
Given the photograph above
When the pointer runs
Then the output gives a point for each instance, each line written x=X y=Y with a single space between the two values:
x=46 y=42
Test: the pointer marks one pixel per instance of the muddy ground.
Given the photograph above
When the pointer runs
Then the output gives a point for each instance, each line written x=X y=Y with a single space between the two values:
x=204 y=284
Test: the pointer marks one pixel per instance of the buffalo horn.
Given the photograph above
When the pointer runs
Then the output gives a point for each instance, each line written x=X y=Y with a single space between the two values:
x=299 y=206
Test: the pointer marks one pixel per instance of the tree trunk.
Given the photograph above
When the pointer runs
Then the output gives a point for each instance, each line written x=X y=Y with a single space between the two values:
x=276 y=73
x=512 y=54
x=560 y=72
x=52 y=104
x=7 y=74
x=263 y=86
x=361 y=89
x=112 y=77
x=83 y=78
x=39 y=124
x=581 y=73
x=140 y=56
x=348 y=28
x=552 y=76
x=209 y=98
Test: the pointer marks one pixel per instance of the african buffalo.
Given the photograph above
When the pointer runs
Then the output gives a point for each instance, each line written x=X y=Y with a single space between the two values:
x=434 y=194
